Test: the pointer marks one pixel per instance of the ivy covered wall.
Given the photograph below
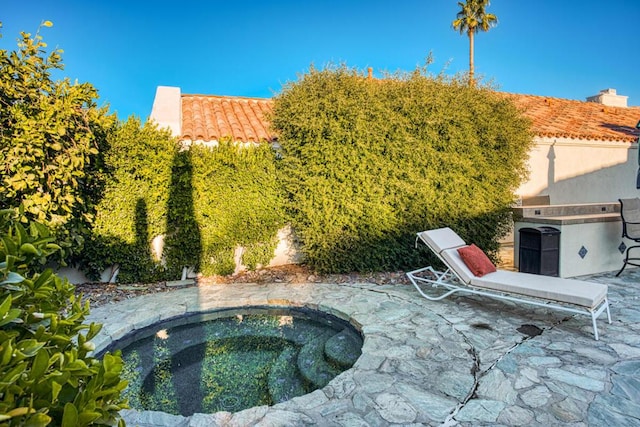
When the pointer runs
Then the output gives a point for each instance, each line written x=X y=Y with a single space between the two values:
x=203 y=204
x=238 y=202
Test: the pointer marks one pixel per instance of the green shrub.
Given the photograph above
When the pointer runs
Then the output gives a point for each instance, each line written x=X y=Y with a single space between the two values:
x=238 y=202
x=51 y=137
x=368 y=163
x=46 y=374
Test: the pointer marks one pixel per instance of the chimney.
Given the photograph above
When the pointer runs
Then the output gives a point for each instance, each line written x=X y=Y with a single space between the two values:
x=370 y=73
x=609 y=97
x=167 y=109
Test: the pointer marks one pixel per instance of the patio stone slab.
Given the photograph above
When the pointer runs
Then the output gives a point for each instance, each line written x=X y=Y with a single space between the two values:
x=456 y=362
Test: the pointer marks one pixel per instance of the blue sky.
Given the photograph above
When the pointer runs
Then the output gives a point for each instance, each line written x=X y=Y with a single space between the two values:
x=568 y=49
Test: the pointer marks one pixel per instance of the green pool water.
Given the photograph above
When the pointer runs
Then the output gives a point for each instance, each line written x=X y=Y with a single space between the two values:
x=235 y=359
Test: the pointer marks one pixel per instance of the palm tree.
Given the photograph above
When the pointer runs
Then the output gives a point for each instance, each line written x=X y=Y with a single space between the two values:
x=471 y=19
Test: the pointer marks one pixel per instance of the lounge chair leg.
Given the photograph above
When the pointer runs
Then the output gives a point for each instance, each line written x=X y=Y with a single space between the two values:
x=596 y=314
x=626 y=261
x=622 y=269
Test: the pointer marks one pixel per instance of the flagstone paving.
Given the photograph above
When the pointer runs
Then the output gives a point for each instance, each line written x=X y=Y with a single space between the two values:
x=456 y=362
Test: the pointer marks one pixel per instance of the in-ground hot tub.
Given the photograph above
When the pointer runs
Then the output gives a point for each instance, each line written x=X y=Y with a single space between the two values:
x=590 y=235
x=233 y=359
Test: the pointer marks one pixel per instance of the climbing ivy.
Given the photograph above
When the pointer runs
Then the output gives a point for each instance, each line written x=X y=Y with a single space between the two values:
x=134 y=207
x=238 y=203
x=207 y=203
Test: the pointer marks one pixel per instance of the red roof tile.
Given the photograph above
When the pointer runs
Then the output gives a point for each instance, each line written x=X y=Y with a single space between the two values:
x=210 y=118
x=565 y=118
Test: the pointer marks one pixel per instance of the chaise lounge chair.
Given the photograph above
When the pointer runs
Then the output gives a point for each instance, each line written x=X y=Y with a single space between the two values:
x=574 y=296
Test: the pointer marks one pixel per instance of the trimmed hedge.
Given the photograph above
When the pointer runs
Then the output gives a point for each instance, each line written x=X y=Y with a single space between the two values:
x=238 y=202
x=367 y=163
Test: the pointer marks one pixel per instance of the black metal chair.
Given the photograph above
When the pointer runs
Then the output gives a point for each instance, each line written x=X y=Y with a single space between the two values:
x=630 y=213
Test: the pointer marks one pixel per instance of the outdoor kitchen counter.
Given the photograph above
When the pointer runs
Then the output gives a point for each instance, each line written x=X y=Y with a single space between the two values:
x=573 y=219
x=590 y=235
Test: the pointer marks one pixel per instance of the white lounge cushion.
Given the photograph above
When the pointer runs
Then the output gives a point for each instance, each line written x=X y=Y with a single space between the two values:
x=441 y=238
x=454 y=261
x=578 y=292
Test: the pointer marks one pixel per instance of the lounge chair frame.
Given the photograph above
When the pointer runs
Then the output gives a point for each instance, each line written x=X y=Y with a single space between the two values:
x=453 y=283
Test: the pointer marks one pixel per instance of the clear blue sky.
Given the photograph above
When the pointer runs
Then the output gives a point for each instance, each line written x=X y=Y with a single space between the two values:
x=561 y=48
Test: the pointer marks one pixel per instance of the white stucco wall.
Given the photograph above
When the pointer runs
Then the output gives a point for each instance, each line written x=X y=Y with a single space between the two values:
x=573 y=171
x=167 y=109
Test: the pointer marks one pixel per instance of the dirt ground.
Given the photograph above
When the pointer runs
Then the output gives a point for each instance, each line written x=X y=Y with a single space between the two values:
x=105 y=293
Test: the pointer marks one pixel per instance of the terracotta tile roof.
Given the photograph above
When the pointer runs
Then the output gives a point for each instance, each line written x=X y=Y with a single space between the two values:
x=209 y=118
x=565 y=118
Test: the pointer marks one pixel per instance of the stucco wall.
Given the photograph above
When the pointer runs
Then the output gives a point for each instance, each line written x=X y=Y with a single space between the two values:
x=571 y=171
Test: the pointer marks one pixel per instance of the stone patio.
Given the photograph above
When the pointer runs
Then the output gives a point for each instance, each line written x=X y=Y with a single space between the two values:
x=458 y=362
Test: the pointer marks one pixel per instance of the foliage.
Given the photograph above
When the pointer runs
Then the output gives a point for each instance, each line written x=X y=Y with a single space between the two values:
x=134 y=207
x=51 y=137
x=183 y=241
x=471 y=19
x=367 y=163
x=238 y=202
x=47 y=375
x=206 y=201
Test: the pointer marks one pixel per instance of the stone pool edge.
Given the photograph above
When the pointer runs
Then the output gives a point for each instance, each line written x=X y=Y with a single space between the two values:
x=386 y=384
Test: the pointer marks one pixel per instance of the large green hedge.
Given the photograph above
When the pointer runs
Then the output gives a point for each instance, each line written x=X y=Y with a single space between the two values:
x=367 y=163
